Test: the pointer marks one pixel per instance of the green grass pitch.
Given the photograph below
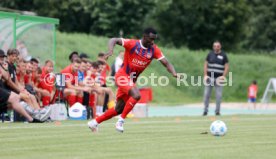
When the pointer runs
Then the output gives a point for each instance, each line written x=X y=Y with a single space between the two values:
x=248 y=136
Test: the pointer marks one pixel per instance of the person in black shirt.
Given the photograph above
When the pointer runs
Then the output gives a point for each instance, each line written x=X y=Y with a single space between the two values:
x=215 y=70
x=13 y=99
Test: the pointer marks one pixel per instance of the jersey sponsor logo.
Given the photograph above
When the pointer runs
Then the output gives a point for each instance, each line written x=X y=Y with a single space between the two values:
x=139 y=62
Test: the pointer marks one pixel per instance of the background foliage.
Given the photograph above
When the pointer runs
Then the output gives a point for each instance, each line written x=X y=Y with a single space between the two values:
x=239 y=24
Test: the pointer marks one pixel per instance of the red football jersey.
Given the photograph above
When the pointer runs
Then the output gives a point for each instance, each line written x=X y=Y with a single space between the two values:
x=47 y=81
x=70 y=75
x=137 y=57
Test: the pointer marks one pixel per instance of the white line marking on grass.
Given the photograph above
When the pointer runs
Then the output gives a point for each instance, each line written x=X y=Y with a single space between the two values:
x=51 y=125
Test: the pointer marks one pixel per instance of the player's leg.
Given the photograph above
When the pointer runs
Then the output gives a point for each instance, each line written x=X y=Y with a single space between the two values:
x=254 y=103
x=130 y=103
x=93 y=124
x=120 y=105
x=26 y=98
x=79 y=97
x=34 y=101
x=218 y=98
x=134 y=98
x=71 y=96
x=111 y=112
x=249 y=103
x=14 y=99
x=207 y=94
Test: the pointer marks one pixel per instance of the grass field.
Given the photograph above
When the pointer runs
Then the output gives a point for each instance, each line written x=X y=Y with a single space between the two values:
x=249 y=136
x=245 y=68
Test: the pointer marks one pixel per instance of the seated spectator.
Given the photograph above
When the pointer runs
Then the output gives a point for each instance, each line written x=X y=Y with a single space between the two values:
x=40 y=91
x=46 y=82
x=94 y=73
x=12 y=83
x=73 y=56
x=21 y=73
x=35 y=64
x=73 y=91
x=6 y=80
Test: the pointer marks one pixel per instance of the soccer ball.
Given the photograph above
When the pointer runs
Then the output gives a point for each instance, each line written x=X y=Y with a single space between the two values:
x=218 y=128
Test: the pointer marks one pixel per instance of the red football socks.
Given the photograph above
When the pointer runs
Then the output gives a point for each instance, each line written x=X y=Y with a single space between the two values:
x=107 y=115
x=79 y=99
x=128 y=107
x=72 y=99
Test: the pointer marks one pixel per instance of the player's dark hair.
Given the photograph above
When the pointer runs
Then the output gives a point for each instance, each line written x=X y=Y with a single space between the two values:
x=73 y=53
x=12 y=51
x=95 y=65
x=149 y=30
x=101 y=62
x=101 y=54
x=34 y=60
x=83 y=55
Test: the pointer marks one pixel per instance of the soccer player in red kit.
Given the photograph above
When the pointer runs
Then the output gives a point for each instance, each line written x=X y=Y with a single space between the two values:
x=138 y=55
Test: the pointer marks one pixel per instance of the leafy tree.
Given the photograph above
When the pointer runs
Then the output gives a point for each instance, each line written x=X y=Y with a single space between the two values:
x=261 y=33
x=198 y=23
x=112 y=16
x=24 y=5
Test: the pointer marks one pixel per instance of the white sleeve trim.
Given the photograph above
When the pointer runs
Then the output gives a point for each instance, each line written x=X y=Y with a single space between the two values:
x=123 y=41
x=160 y=58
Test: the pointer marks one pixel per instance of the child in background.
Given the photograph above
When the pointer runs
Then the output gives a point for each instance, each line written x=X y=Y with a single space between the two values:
x=252 y=94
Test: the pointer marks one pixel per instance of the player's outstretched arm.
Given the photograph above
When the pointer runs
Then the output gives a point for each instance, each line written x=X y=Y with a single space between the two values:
x=111 y=45
x=169 y=66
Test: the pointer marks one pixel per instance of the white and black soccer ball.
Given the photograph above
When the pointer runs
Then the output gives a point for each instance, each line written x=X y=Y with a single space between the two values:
x=218 y=128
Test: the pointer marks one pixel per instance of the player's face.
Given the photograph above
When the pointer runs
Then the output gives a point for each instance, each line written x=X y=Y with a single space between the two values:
x=83 y=67
x=76 y=66
x=148 y=40
x=12 y=58
x=22 y=67
x=37 y=75
x=35 y=66
x=49 y=67
x=74 y=57
x=217 y=46
x=29 y=67
x=100 y=69
x=94 y=70
x=88 y=65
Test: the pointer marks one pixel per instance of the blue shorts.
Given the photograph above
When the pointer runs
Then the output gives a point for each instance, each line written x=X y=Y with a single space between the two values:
x=252 y=100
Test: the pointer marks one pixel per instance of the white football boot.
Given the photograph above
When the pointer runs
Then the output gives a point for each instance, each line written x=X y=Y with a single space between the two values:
x=120 y=125
x=93 y=125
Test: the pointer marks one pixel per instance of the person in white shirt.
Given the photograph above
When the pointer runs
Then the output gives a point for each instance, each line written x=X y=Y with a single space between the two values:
x=119 y=61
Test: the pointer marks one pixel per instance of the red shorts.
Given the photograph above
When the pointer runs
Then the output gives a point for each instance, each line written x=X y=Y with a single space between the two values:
x=124 y=84
x=45 y=100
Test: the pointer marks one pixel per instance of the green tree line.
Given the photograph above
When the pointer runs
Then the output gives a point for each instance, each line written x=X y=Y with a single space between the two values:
x=239 y=24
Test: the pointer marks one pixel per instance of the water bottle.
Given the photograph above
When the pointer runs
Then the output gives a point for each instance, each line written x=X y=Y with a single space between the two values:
x=12 y=116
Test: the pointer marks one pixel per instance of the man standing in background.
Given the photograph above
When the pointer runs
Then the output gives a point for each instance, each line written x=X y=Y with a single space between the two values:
x=215 y=70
